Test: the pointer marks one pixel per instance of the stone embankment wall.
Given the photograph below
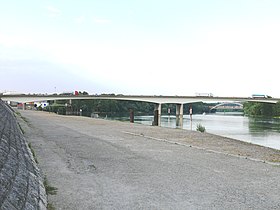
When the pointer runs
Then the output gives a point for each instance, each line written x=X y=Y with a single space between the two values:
x=21 y=186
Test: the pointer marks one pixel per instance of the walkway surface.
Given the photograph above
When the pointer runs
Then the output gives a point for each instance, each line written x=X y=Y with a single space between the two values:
x=99 y=164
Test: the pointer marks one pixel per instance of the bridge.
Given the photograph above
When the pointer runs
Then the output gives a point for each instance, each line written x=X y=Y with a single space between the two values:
x=228 y=106
x=157 y=100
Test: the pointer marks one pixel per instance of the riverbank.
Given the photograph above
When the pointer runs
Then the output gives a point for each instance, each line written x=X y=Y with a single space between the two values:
x=217 y=144
x=204 y=141
x=214 y=143
x=21 y=183
x=260 y=131
x=102 y=164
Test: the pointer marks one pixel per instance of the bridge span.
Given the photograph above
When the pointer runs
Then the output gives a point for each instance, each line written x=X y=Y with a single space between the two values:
x=157 y=100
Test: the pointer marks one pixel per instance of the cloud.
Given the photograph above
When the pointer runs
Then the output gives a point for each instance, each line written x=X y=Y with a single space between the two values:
x=53 y=11
x=101 y=20
x=10 y=40
x=80 y=19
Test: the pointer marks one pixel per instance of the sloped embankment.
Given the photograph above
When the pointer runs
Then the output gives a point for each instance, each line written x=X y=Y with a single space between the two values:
x=21 y=185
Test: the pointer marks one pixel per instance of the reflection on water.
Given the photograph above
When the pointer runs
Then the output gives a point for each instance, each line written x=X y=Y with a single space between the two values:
x=262 y=131
x=260 y=124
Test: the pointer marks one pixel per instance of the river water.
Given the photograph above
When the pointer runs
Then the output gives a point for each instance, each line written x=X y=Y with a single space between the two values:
x=261 y=131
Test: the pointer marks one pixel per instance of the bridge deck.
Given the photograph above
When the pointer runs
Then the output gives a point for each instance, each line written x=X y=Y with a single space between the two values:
x=151 y=99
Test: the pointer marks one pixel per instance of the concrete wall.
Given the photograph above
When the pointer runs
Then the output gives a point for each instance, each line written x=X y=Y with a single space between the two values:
x=21 y=185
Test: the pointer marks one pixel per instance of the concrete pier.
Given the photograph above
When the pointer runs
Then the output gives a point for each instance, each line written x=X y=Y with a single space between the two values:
x=23 y=106
x=157 y=115
x=179 y=115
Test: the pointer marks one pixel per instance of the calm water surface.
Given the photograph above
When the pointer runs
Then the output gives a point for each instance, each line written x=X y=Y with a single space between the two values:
x=265 y=132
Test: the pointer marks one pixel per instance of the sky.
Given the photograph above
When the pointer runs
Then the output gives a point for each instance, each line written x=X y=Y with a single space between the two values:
x=140 y=47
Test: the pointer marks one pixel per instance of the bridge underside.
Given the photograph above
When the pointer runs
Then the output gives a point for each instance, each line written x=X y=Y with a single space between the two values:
x=179 y=115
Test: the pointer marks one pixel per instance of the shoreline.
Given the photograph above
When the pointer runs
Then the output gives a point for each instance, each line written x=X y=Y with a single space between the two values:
x=247 y=137
x=217 y=144
x=191 y=138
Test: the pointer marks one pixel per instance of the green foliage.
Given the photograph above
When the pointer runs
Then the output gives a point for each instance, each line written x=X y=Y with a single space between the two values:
x=50 y=206
x=276 y=109
x=261 y=109
x=119 y=108
x=49 y=189
x=58 y=107
x=112 y=107
x=33 y=152
x=22 y=130
x=83 y=93
x=200 y=128
x=39 y=108
x=23 y=118
x=198 y=108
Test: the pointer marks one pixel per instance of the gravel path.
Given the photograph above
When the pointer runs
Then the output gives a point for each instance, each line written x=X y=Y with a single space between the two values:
x=99 y=164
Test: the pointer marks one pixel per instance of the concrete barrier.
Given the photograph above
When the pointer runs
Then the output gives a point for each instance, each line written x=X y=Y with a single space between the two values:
x=21 y=185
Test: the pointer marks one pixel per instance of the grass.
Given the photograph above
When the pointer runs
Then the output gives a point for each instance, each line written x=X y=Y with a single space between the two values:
x=50 y=190
x=275 y=160
x=200 y=128
x=50 y=206
x=23 y=118
x=33 y=152
x=21 y=128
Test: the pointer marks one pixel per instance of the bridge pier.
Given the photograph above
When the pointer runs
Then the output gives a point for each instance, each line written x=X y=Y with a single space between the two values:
x=157 y=115
x=179 y=115
x=131 y=115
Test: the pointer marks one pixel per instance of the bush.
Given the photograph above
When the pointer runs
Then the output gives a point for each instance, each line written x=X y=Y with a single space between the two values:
x=200 y=128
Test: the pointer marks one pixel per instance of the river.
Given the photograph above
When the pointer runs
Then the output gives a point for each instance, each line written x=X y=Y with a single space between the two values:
x=261 y=131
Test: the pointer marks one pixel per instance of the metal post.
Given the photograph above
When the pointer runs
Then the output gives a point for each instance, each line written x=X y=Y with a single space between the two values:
x=191 y=112
x=131 y=115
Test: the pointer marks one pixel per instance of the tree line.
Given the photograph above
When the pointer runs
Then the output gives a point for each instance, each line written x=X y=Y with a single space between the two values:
x=118 y=108
x=262 y=109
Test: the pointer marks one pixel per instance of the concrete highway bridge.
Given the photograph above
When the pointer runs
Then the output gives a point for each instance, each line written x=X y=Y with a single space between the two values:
x=157 y=100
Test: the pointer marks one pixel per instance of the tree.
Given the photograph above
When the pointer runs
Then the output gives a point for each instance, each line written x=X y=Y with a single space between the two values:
x=259 y=109
x=276 y=109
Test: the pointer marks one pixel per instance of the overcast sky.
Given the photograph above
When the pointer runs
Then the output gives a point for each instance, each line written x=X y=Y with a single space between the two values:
x=147 y=47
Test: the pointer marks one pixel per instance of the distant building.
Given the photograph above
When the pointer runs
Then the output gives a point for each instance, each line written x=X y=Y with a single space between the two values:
x=33 y=105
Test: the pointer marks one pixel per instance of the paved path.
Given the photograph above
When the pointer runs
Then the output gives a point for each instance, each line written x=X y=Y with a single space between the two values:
x=98 y=164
